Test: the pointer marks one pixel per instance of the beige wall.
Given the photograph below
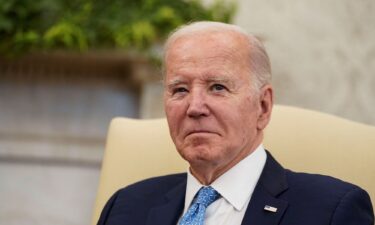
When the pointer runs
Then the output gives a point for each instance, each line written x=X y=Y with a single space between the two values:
x=322 y=52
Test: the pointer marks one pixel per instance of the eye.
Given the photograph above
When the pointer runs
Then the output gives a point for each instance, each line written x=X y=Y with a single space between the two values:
x=179 y=90
x=218 y=87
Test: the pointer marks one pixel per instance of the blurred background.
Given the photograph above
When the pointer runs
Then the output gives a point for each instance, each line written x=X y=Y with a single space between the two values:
x=68 y=67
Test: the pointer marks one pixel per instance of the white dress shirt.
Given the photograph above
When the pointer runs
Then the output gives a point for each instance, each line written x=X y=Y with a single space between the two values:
x=235 y=186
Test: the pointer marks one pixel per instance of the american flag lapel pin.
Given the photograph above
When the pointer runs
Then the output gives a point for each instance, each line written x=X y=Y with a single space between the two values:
x=270 y=208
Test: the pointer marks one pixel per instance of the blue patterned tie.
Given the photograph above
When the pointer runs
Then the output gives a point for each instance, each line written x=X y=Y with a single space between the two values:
x=195 y=214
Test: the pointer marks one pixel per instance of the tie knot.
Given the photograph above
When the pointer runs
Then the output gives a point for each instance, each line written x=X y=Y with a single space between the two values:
x=206 y=196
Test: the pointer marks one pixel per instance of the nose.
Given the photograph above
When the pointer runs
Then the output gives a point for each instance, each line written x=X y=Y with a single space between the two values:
x=197 y=105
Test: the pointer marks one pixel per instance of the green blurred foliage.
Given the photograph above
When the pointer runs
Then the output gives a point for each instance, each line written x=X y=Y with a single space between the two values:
x=35 y=25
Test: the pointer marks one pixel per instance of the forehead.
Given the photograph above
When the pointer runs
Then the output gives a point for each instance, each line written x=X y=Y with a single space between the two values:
x=207 y=44
x=211 y=52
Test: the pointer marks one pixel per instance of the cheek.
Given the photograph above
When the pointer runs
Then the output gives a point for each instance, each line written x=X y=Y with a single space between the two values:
x=174 y=113
x=172 y=107
x=250 y=110
x=171 y=118
x=243 y=122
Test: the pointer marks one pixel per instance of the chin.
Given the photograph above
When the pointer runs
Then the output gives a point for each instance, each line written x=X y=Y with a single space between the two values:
x=200 y=154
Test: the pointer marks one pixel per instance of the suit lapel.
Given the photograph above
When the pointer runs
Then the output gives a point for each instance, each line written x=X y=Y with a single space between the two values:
x=271 y=183
x=168 y=212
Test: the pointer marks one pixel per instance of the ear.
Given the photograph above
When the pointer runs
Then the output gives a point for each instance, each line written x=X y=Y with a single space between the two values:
x=265 y=103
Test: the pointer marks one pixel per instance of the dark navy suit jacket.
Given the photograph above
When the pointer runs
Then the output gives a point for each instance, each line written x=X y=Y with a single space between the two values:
x=300 y=199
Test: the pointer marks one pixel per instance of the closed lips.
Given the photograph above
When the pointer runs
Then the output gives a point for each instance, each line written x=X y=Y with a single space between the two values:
x=200 y=132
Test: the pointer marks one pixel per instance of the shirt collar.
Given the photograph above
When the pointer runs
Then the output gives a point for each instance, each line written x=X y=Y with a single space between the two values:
x=237 y=184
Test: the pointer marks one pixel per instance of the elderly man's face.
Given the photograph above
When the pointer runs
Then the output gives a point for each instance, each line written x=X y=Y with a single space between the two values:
x=214 y=117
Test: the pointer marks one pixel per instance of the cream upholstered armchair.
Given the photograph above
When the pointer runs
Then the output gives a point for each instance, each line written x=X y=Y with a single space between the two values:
x=301 y=140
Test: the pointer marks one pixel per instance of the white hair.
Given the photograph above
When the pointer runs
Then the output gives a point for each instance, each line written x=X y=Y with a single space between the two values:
x=259 y=62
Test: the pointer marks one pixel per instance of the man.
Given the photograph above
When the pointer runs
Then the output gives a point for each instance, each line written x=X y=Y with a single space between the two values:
x=218 y=100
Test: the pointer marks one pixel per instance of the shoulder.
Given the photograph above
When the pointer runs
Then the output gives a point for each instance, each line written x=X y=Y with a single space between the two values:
x=154 y=184
x=316 y=185
x=340 y=202
x=300 y=180
x=132 y=203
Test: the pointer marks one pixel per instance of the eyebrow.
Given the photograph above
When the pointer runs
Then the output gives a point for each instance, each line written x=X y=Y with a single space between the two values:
x=209 y=79
x=220 y=79
x=175 y=82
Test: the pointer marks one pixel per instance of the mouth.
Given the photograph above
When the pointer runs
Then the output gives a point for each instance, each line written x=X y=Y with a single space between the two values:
x=200 y=132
